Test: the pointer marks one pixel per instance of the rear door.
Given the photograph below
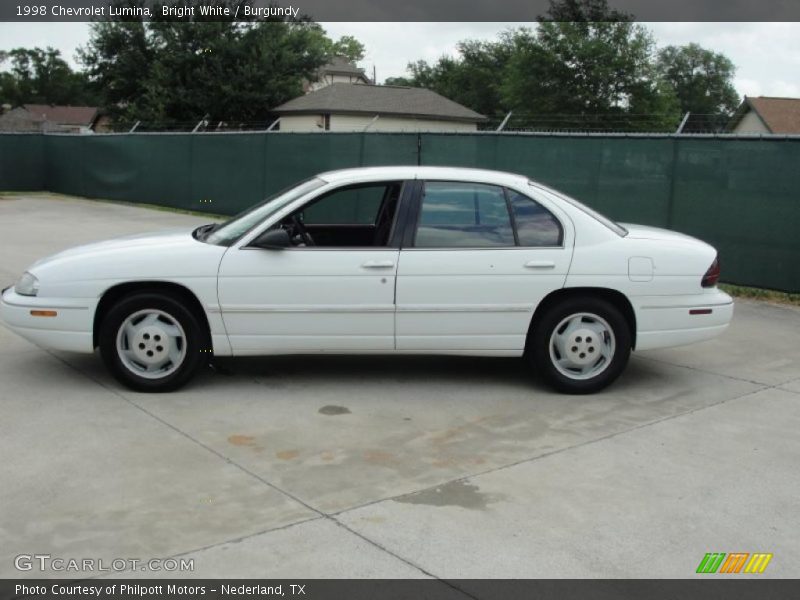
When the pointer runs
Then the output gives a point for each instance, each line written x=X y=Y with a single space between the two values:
x=476 y=261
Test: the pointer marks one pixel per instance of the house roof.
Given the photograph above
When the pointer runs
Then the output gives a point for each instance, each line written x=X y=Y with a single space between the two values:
x=379 y=99
x=63 y=115
x=780 y=115
x=19 y=119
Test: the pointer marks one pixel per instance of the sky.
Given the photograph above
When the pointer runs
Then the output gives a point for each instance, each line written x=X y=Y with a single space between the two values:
x=767 y=55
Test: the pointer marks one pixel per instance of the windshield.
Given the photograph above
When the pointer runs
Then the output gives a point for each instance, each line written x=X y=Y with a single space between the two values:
x=612 y=225
x=230 y=231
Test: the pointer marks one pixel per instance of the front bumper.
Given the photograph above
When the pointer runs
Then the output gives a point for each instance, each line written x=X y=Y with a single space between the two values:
x=70 y=329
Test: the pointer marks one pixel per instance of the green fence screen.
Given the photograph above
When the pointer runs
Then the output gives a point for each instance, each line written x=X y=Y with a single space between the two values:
x=740 y=194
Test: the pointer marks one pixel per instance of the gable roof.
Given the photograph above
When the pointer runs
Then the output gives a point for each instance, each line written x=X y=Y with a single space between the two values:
x=63 y=115
x=780 y=115
x=379 y=99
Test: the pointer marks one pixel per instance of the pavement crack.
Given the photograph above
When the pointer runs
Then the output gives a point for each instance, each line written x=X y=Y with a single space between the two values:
x=320 y=514
x=706 y=371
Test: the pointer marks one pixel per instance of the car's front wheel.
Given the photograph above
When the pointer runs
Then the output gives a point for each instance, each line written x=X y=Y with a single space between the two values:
x=581 y=345
x=151 y=342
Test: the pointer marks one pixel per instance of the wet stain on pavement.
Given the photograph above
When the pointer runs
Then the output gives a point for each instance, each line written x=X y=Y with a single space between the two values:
x=378 y=457
x=456 y=493
x=242 y=440
x=332 y=410
x=287 y=454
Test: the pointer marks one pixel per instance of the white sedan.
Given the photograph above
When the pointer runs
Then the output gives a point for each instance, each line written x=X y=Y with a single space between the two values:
x=413 y=260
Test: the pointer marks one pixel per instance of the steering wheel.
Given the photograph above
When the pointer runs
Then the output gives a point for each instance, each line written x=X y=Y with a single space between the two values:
x=301 y=229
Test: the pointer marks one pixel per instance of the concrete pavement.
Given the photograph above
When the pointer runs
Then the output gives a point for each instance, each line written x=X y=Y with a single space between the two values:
x=395 y=466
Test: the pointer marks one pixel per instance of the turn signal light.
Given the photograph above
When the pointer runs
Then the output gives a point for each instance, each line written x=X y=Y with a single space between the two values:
x=711 y=277
x=44 y=313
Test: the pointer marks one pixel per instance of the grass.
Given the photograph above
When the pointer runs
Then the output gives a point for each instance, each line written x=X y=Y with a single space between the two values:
x=751 y=293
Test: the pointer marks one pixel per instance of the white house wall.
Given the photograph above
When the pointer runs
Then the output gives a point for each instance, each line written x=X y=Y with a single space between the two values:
x=358 y=123
x=751 y=123
x=304 y=123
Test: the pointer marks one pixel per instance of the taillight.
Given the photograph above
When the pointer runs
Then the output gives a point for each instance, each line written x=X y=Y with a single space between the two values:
x=711 y=277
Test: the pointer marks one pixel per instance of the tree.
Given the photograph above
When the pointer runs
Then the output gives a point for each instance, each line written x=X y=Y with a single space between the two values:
x=588 y=74
x=174 y=73
x=585 y=66
x=583 y=11
x=41 y=76
x=473 y=79
x=349 y=47
x=117 y=60
x=703 y=82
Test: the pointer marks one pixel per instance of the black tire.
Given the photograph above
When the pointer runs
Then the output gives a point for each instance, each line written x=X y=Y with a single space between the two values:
x=608 y=370
x=193 y=345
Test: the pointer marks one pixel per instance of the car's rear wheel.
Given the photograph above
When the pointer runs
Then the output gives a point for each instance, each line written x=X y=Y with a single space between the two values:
x=150 y=342
x=581 y=345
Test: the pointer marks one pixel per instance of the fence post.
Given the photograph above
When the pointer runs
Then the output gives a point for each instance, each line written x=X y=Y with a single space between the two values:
x=673 y=173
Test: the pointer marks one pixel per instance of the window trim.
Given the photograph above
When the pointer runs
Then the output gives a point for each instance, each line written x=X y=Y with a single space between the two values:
x=415 y=212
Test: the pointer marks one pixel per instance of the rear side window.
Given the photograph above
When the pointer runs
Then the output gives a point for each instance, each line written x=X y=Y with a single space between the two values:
x=536 y=226
x=463 y=215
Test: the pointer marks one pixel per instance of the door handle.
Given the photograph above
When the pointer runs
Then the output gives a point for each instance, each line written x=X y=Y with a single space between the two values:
x=540 y=264
x=378 y=264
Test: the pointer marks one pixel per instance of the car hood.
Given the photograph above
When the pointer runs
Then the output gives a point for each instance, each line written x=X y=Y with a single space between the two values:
x=168 y=255
x=162 y=239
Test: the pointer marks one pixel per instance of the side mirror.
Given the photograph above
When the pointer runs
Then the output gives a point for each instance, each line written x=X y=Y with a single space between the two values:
x=273 y=239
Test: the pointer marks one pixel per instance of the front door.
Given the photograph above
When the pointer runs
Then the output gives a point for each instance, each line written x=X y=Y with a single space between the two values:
x=332 y=290
x=480 y=260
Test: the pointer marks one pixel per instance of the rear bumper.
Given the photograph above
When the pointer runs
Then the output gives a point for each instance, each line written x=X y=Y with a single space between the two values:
x=70 y=329
x=666 y=321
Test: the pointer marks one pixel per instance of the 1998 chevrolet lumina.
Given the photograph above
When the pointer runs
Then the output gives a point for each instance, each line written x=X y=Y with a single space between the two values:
x=416 y=260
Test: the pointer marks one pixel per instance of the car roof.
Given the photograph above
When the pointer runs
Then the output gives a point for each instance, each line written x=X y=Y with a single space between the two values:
x=418 y=172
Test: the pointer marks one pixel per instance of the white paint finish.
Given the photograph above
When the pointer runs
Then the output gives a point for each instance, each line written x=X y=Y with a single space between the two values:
x=640 y=268
x=308 y=299
x=69 y=330
x=437 y=291
x=460 y=301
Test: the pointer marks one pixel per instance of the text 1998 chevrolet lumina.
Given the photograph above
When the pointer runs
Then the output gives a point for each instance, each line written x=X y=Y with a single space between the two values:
x=416 y=260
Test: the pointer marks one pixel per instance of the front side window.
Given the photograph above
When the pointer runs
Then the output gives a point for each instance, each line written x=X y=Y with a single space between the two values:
x=463 y=215
x=349 y=206
x=353 y=216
